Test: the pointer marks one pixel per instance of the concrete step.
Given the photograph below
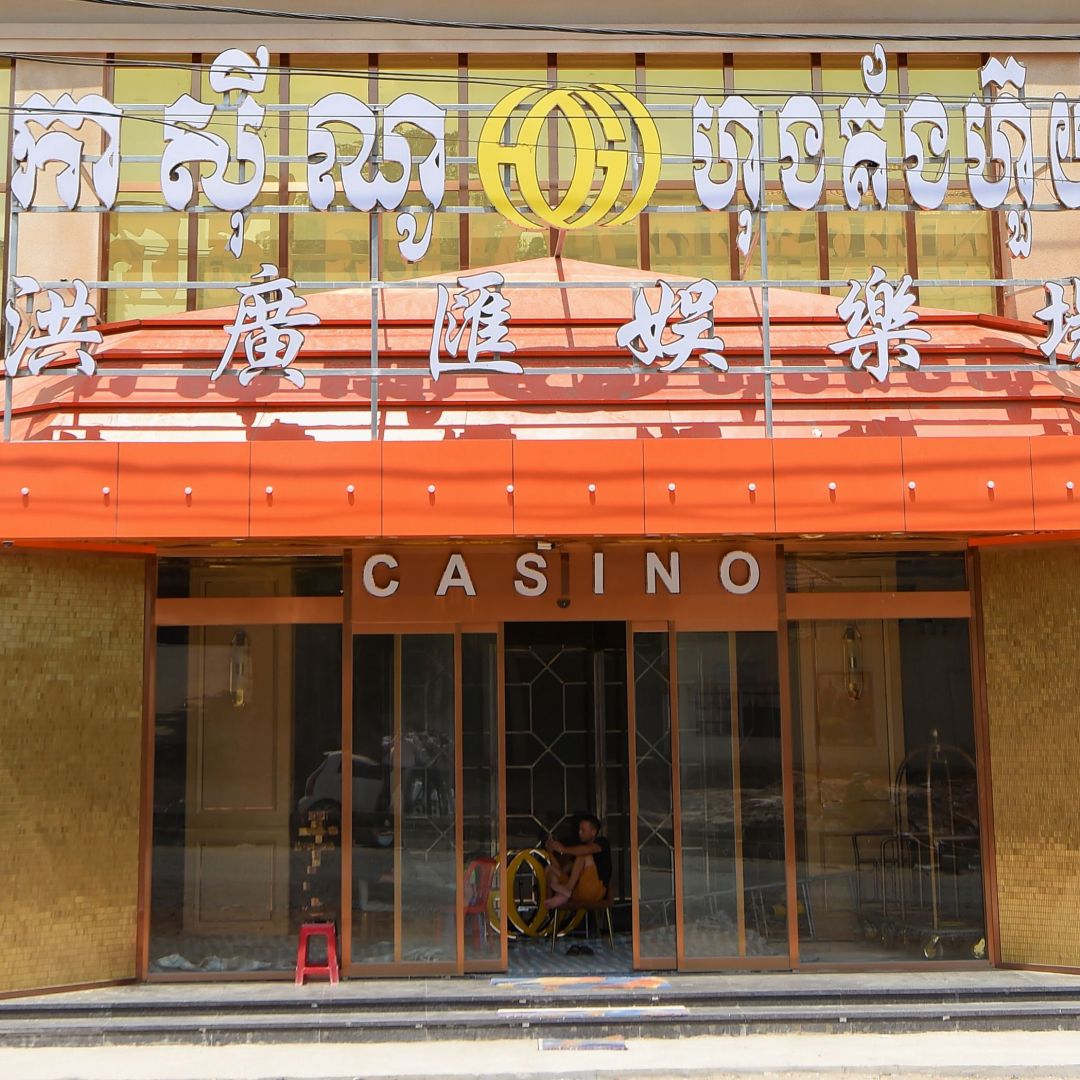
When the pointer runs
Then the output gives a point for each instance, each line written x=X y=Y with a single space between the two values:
x=435 y=997
x=560 y=1020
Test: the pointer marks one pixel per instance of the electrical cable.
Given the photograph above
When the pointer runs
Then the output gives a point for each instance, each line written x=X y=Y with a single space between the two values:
x=552 y=28
x=650 y=91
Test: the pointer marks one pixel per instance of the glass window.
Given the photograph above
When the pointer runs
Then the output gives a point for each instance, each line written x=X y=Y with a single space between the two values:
x=313 y=575
x=672 y=86
x=871 y=571
x=434 y=77
x=147 y=247
x=216 y=262
x=613 y=245
x=151 y=246
x=859 y=240
x=493 y=240
x=768 y=81
x=692 y=242
x=326 y=246
x=794 y=253
x=887 y=812
x=312 y=78
x=141 y=135
x=841 y=78
x=247 y=795
x=955 y=245
x=5 y=99
x=330 y=246
x=953 y=79
x=443 y=254
x=270 y=132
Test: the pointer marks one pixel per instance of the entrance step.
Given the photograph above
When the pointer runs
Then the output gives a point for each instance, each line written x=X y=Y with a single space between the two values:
x=481 y=1008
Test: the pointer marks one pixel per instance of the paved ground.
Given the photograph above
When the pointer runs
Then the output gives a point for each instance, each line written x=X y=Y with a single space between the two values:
x=980 y=1054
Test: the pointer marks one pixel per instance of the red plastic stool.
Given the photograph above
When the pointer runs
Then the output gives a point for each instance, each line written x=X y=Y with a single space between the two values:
x=330 y=968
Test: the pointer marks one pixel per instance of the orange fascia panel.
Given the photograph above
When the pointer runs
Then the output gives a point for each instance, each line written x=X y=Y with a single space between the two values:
x=1055 y=464
x=708 y=487
x=456 y=488
x=967 y=485
x=302 y=489
x=70 y=490
x=552 y=481
x=153 y=500
x=842 y=485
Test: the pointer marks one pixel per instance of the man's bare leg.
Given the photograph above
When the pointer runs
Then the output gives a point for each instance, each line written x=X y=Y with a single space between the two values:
x=563 y=891
x=556 y=879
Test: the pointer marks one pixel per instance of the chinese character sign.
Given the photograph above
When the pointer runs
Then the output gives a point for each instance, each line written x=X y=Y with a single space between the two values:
x=51 y=334
x=879 y=321
x=474 y=324
x=267 y=322
x=1063 y=320
x=680 y=326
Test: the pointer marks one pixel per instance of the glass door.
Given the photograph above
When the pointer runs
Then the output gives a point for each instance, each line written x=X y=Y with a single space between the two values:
x=710 y=873
x=425 y=803
x=652 y=799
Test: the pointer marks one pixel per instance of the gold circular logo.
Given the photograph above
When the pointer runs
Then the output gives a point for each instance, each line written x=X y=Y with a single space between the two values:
x=586 y=113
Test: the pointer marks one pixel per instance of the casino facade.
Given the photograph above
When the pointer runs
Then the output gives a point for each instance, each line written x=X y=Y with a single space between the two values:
x=670 y=423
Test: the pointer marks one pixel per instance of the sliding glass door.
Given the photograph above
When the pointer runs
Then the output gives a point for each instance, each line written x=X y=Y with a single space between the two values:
x=710 y=879
x=425 y=802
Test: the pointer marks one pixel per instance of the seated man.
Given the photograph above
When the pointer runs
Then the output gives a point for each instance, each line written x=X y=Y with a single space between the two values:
x=586 y=871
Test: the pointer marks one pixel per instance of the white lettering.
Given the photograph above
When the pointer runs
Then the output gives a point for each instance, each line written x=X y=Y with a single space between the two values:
x=598 y=573
x=529 y=566
x=753 y=572
x=669 y=575
x=371 y=585
x=456 y=576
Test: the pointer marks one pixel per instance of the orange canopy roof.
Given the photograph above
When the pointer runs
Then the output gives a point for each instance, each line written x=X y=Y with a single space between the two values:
x=578 y=382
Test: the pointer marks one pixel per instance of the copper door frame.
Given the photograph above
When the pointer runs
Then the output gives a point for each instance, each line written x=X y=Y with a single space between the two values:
x=298 y=610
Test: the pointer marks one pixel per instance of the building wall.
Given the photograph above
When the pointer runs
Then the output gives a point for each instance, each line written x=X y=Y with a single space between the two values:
x=70 y=708
x=1031 y=605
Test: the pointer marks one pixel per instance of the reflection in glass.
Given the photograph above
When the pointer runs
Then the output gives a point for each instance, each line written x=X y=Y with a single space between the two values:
x=404 y=845
x=373 y=894
x=480 y=791
x=874 y=571
x=655 y=818
x=247 y=794
x=731 y=795
x=308 y=575
x=425 y=787
x=887 y=821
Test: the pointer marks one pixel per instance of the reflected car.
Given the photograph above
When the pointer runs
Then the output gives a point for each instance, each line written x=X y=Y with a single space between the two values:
x=373 y=822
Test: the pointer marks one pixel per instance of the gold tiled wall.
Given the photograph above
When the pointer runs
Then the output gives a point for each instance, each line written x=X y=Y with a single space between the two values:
x=1031 y=606
x=71 y=646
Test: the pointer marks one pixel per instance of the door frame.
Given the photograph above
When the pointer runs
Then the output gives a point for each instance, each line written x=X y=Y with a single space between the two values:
x=680 y=961
x=461 y=964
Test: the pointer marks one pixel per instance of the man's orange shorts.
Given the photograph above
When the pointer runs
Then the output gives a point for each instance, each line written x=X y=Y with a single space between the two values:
x=589 y=888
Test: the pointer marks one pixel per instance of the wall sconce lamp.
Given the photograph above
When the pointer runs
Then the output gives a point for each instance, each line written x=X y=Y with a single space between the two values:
x=854 y=676
x=240 y=674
